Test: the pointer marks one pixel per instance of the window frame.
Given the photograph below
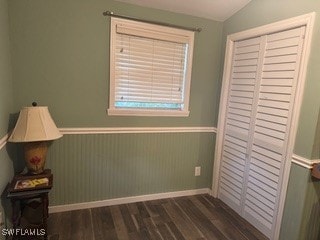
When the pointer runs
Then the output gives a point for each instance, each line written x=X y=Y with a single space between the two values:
x=184 y=34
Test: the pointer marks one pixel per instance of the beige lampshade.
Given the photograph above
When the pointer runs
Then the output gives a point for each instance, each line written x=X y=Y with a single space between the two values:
x=34 y=124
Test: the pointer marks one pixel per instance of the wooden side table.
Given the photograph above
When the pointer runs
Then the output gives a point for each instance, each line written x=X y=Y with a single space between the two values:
x=23 y=197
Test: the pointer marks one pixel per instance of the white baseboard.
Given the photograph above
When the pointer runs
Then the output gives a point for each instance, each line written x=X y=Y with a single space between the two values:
x=124 y=200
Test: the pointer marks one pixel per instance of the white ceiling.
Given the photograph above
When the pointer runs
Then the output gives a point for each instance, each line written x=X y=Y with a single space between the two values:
x=218 y=10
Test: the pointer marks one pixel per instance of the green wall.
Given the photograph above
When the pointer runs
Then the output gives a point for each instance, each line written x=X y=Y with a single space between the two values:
x=60 y=52
x=301 y=218
x=299 y=222
x=6 y=100
x=294 y=207
x=60 y=56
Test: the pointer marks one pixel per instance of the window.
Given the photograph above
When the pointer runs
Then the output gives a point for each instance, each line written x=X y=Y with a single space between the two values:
x=150 y=69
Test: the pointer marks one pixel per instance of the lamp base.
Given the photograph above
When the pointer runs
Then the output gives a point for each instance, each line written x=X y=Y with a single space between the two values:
x=35 y=156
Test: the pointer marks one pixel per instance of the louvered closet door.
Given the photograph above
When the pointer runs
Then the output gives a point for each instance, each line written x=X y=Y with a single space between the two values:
x=259 y=111
x=271 y=126
x=238 y=122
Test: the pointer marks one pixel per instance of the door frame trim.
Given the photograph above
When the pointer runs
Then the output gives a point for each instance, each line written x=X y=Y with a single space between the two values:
x=306 y=20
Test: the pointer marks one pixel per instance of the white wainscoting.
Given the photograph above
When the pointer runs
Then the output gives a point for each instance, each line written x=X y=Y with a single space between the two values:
x=301 y=161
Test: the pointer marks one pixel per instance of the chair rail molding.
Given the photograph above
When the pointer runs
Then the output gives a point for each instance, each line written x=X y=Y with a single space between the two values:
x=3 y=141
x=304 y=162
x=118 y=130
x=296 y=159
x=115 y=130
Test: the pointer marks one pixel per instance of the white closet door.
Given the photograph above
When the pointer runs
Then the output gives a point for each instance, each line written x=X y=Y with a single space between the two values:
x=259 y=110
x=275 y=100
x=238 y=121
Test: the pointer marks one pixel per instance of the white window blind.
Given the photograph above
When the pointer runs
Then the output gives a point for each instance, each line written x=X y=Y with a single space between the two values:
x=149 y=68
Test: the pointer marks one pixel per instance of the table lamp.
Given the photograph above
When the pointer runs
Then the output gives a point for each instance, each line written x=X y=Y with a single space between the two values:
x=35 y=128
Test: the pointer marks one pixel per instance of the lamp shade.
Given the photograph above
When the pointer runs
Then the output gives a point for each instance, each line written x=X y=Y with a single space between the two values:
x=34 y=124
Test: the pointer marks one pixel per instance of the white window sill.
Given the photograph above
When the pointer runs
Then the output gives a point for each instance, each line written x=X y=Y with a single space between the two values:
x=148 y=112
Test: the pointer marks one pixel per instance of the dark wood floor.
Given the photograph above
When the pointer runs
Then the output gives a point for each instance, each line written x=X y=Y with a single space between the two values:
x=194 y=217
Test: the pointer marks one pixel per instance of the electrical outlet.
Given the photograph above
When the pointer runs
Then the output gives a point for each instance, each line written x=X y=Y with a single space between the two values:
x=197 y=171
